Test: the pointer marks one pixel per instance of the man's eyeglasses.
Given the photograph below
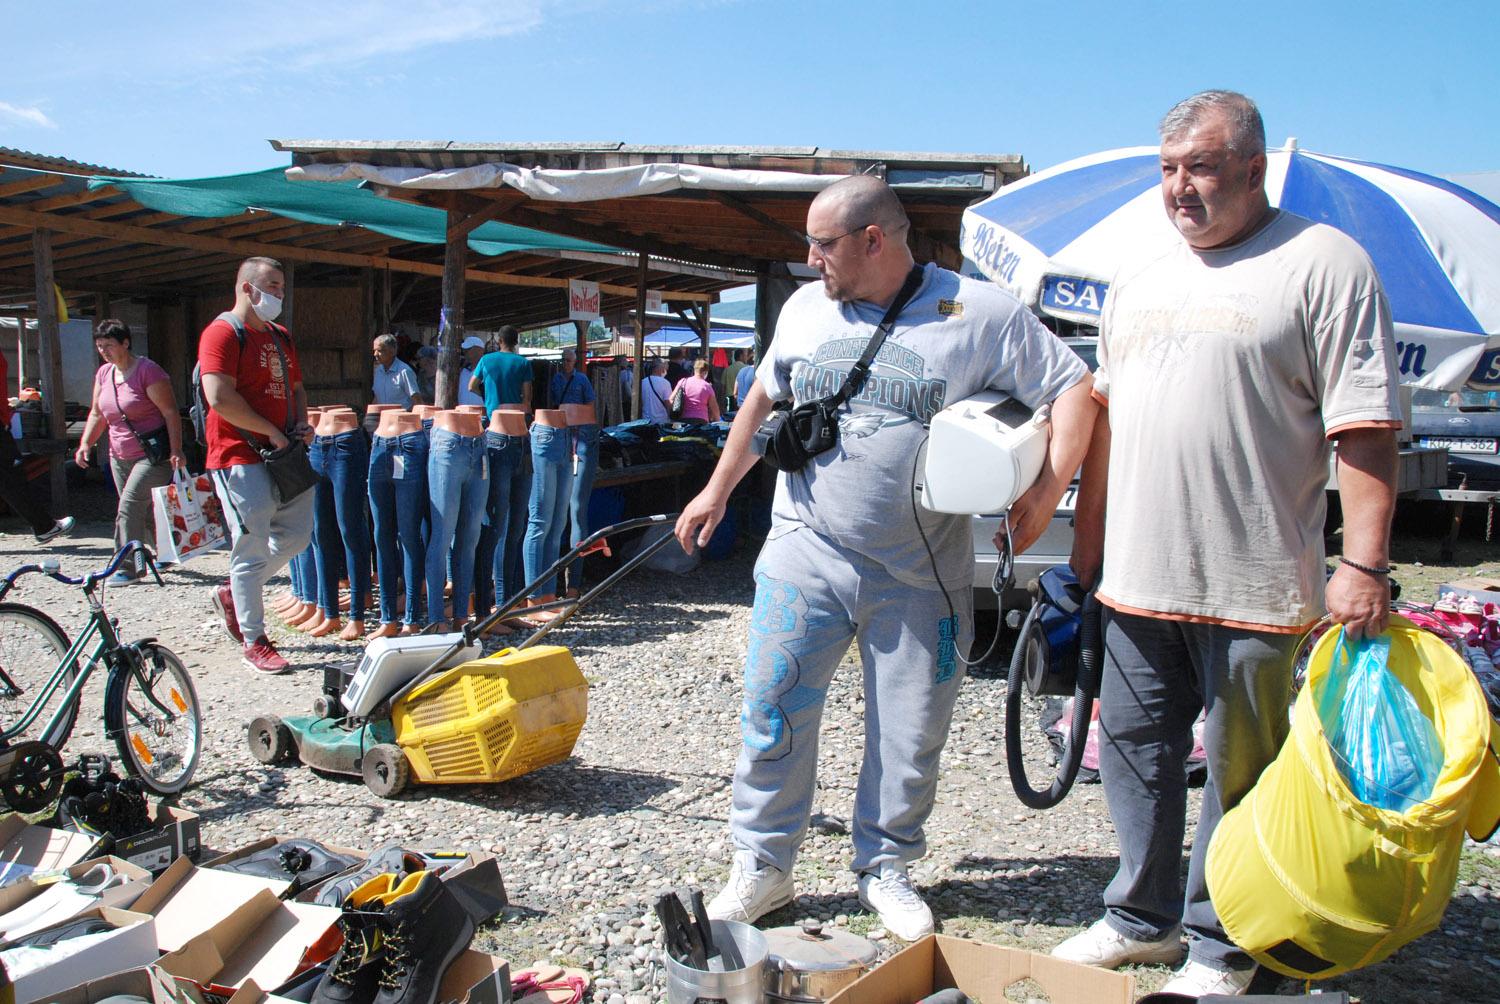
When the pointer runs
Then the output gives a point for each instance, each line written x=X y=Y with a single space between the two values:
x=824 y=243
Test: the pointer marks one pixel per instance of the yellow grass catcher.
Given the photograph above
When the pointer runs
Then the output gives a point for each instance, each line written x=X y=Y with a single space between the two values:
x=1311 y=881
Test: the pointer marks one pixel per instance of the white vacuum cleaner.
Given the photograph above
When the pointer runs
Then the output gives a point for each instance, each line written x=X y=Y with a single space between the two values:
x=983 y=453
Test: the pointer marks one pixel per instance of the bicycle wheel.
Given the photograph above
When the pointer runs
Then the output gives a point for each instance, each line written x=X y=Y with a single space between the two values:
x=151 y=711
x=31 y=647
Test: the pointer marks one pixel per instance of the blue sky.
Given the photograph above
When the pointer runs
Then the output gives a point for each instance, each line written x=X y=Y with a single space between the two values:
x=190 y=90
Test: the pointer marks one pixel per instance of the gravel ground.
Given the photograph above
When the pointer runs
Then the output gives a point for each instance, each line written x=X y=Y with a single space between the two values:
x=585 y=846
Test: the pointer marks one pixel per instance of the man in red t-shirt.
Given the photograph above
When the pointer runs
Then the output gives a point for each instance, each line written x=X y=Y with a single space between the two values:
x=15 y=490
x=254 y=388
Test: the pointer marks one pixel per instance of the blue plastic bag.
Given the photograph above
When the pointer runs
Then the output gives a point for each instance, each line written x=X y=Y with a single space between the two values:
x=1386 y=750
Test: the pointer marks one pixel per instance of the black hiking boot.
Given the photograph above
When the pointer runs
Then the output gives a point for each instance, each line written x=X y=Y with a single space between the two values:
x=426 y=928
x=353 y=975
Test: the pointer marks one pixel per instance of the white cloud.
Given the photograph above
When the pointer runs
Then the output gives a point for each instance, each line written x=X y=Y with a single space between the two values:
x=26 y=115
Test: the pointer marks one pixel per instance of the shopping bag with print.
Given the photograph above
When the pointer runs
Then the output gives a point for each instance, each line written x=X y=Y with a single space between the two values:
x=189 y=519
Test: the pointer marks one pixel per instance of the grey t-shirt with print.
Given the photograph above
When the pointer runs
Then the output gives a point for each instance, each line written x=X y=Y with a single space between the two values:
x=954 y=339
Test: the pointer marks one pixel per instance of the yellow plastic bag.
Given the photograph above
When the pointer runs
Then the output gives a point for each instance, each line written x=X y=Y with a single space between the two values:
x=1312 y=882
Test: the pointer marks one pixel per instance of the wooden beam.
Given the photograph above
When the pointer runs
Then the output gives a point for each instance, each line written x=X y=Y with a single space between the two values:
x=748 y=211
x=28 y=185
x=128 y=233
x=451 y=317
x=473 y=217
x=51 y=345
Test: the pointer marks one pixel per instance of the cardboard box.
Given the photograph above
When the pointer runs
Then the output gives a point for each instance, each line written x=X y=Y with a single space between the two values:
x=263 y=940
x=174 y=833
x=132 y=944
x=148 y=983
x=26 y=848
x=939 y=962
x=187 y=900
x=1485 y=590
x=120 y=897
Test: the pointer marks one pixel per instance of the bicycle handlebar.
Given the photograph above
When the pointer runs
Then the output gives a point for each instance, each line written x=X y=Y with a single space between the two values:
x=50 y=569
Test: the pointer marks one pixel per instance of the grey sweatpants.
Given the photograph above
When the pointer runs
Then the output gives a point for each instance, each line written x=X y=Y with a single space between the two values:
x=134 y=519
x=266 y=534
x=812 y=598
x=1158 y=675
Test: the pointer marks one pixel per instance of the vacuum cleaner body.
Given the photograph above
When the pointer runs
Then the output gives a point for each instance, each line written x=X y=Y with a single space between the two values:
x=982 y=453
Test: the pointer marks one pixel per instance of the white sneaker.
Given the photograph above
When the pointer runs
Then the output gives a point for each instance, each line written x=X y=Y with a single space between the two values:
x=1101 y=945
x=891 y=895
x=752 y=891
x=1195 y=979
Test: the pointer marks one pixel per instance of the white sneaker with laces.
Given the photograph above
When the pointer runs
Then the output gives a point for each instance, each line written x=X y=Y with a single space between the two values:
x=1101 y=945
x=891 y=895
x=1195 y=979
x=752 y=890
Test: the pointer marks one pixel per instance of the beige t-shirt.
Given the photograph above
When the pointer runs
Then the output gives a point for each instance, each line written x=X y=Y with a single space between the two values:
x=1225 y=372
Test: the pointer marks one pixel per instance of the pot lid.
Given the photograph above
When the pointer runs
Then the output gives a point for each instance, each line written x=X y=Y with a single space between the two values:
x=809 y=948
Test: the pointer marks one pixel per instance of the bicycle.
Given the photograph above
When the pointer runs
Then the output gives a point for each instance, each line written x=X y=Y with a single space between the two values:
x=150 y=704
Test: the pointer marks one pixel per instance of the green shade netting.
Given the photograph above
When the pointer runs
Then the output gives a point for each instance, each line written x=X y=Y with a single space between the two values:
x=337 y=203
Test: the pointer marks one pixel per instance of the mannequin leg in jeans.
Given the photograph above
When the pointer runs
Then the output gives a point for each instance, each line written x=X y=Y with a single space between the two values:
x=551 y=484
x=490 y=581
x=344 y=462
x=398 y=497
x=328 y=555
x=513 y=543
x=586 y=449
x=458 y=485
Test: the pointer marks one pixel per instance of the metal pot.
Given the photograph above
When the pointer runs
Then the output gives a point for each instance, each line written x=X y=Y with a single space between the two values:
x=809 y=965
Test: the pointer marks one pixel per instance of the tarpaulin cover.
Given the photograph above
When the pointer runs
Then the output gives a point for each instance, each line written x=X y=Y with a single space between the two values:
x=1311 y=881
x=558 y=185
x=676 y=336
x=338 y=204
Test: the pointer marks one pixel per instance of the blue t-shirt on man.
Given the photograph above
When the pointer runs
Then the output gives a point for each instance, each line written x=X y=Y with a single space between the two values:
x=571 y=388
x=504 y=376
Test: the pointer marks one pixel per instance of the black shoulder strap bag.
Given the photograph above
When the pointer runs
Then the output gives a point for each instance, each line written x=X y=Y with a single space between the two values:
x=790 y=437
x=157 y=444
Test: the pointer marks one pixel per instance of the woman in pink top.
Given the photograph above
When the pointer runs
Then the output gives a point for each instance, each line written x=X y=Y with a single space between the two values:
x=699 y=402
x=133 y=400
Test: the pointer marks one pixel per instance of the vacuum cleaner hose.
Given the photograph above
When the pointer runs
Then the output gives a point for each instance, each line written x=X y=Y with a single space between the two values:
x=1086 y=689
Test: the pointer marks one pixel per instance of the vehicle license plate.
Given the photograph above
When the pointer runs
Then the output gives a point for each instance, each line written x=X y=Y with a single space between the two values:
x=1455 y=444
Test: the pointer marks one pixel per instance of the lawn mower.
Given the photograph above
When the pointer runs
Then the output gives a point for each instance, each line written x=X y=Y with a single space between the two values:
x=427 y=707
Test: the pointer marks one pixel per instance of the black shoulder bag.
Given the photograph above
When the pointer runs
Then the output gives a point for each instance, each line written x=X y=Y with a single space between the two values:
x=790 y=437
x=157 y=444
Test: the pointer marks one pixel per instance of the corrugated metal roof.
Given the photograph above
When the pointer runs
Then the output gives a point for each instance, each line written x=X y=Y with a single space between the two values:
x=58 y=165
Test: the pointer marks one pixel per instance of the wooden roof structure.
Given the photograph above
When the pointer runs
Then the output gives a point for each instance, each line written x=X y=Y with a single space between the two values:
x=728 y=229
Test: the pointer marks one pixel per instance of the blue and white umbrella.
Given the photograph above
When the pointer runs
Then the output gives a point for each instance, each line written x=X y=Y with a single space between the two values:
x=1055 y=239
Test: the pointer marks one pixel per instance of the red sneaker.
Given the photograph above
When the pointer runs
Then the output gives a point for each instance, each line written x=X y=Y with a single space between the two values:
x=223 y=601
x=263 y=658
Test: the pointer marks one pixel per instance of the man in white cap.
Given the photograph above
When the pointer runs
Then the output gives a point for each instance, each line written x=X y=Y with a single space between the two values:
x=473 y=348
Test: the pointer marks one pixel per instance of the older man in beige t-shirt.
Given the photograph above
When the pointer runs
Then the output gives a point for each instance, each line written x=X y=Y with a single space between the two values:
x=1229 y=362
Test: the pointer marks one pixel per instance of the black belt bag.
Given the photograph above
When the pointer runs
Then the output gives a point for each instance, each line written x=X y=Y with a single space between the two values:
x=790 y=437
x=290 y=469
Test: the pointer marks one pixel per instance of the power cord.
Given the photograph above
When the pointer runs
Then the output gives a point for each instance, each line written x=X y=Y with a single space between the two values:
x=1007 y=562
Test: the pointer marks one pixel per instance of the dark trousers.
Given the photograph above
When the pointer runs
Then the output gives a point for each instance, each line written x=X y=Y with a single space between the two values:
x=1158 y=675
x=16 y=490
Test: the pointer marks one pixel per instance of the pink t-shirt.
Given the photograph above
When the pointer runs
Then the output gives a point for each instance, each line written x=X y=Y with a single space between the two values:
x=140 y=409
x=696 y=393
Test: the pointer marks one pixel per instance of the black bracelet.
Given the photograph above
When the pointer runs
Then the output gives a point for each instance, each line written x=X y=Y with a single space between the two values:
x=1367 y=569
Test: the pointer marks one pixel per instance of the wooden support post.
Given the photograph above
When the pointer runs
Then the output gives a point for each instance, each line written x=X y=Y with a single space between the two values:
x=581 y=342
x=289 y=276
x=101 y=308
x=52 y=382
x=639 y=348
x=704 y=331
x=451 y=320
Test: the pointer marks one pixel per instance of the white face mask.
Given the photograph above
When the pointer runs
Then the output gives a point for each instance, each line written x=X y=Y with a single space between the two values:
x=269 y=307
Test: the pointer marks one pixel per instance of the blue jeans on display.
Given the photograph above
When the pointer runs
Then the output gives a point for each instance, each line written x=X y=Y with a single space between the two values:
x=398 y=499
x=341 y=521
x=458 y=487
x=303 y=571
x=551 y=491
x=497 y=564
x=586 y=448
